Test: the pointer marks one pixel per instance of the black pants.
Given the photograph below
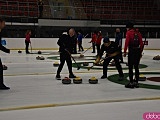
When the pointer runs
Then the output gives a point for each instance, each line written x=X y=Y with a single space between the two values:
x=1 y=73
x=133 y=61
x=75 y=48
x=93 y=46
x=40 y=13
x=80 y=46
x=27 y=46
x=120 y=55
x=118 y=66
x=98 y=48
x=65 y=57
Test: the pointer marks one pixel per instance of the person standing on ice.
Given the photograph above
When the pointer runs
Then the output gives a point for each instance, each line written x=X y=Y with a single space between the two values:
x=98 y=42
x=118 y=41
x=134 y=44
x=80 y=37
x=27 y=40
x=65 y=48
x=93 y=40
x=2 y=48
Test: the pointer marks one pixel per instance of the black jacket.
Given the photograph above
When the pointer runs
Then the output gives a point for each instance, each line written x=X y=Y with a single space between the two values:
x=65 y=42
x=118 y=39
x=2 y=47
x=112 y=48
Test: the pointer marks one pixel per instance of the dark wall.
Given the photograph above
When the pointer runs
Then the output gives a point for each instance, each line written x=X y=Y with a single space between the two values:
x=54 y=32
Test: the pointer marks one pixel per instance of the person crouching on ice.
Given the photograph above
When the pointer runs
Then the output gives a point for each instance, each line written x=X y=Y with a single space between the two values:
x=112 y=52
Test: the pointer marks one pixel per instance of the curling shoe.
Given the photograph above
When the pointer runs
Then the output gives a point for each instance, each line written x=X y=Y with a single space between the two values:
x=58 y=77
x=104 y=77
x=136 y=84
x=3 y=87
x=129 y=85
x=72 y=76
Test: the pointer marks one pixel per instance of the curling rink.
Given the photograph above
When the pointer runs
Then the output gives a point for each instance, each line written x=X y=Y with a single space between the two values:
x=35 y=94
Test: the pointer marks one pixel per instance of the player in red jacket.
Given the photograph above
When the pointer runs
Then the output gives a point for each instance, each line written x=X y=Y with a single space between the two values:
x=27 y=40
x=93 y=41
x=98 y=42
x=134 y=44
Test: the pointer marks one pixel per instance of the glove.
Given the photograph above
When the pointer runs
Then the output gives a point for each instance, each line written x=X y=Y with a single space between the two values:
x=97 y=60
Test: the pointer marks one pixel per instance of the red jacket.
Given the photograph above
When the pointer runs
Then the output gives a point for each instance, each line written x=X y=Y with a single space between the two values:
x=98 y=42
x=130 y=37
x=28 y=38
x=94 y=38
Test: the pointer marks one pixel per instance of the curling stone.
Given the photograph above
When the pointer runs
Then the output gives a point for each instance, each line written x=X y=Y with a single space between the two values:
x=40 y=58
x=156 y=57
x=39 y=52
x=19 y=51
x=56 y=64
x=66 y=80
x=93 y=80
x=85 y=64
x=81 y=55
x=77 y=80
x=5 y=67
x=142 y=77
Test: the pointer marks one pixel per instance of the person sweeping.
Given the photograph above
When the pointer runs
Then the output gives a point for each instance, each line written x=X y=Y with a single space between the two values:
x=65 y=49
x=112 y=52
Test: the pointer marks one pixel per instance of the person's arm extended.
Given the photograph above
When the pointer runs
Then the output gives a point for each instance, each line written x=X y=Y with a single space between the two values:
x=4 y=49
x=99 y=55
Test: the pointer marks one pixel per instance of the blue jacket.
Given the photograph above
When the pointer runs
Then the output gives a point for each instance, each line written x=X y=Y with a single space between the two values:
x=80 y=36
